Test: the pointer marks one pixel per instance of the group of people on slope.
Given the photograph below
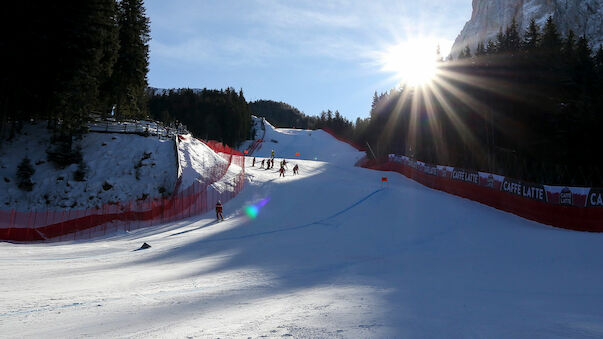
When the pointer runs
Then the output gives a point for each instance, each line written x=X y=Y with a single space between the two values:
x=270 y=164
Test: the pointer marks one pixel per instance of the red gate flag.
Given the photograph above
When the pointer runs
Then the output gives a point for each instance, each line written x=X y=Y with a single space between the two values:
x=245 y=151
x=297 y=154
x=383 y=179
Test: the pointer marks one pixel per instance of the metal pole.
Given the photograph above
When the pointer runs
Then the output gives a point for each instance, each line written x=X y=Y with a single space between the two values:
x=370 y=149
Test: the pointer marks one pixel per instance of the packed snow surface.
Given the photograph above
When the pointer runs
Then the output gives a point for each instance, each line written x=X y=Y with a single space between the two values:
x=310 y=145
x=121 y=167
x=328 y=253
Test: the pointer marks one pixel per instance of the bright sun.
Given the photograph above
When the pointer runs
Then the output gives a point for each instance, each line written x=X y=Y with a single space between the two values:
x=414 y=62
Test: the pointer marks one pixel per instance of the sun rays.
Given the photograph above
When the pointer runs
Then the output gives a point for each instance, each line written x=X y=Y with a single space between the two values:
x=432 y=97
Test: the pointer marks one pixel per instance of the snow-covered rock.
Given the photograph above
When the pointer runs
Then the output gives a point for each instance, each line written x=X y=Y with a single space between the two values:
x=585 y=17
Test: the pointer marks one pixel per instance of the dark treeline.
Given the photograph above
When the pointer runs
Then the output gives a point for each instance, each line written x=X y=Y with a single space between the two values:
x=221 y=115
x=281 y=114
x=67 y=60
x=527 y=105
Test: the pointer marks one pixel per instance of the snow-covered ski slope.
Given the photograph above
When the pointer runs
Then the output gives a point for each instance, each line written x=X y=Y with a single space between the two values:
x=311 y=145
x=329 y=253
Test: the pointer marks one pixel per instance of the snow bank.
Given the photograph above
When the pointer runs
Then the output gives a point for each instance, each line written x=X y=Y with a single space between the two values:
x=121 y=167
x=199 y=163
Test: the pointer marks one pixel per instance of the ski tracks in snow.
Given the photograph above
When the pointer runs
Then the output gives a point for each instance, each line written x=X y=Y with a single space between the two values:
x=323 y=222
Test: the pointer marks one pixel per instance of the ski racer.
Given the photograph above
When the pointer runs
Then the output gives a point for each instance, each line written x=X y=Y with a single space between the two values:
x=219 y=211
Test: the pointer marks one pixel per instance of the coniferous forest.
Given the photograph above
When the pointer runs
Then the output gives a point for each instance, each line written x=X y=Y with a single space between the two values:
x=221 y=115
x=528 y=105
x=70 y=60
x=281 y=114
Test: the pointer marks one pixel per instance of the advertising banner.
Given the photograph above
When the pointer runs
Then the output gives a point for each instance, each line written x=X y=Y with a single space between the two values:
x=595 y=198
x=490 y=180
x=524 y=189
x=557 y=195
x=445 y=171
x=575 y=208
x=465 y=175
x=430 y=169
x=567 y=196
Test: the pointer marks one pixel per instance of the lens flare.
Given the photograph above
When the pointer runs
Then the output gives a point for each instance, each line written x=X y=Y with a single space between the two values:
x=252 y=211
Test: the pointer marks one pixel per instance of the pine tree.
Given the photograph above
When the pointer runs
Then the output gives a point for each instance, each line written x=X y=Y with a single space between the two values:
x=599 y=55
x=481 y=49
x=551 y=40
x=531 y=38
x=599 y=59
x=584 y=63
x=501 y=42
x=375 y=101
x=465 y=53
x=110 y=46
x=86 y=56
x=491 y=47
x=512 y=38
x=569 y=47
x=129 y=79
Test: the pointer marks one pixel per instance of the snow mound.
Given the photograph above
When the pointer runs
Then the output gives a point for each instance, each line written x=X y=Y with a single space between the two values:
x=121 y=167
x=198 y=162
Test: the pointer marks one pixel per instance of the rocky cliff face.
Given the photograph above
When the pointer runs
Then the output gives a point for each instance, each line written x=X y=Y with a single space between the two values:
x=585 y=17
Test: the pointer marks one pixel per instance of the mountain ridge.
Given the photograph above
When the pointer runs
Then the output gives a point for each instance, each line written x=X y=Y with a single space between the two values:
x=489 y=16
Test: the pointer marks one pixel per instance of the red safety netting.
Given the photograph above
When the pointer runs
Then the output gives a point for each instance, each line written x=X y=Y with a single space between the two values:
x=257 y=144
x=219 y=147
x=570 y=217
x=125 y=216
x=349 y=142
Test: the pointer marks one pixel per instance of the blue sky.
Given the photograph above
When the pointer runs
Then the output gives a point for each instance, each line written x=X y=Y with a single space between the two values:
x=314 y=55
